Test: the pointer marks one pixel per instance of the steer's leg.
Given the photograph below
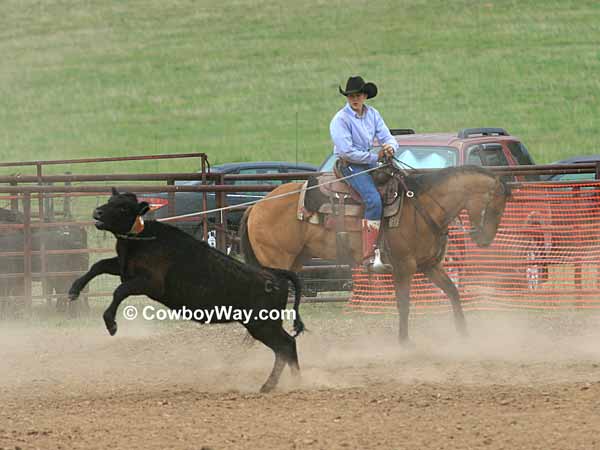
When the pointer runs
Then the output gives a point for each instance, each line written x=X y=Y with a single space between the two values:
x=272 y=334
x=110 y=266
x=135 y=286
x=287 y=345
x=293 y=355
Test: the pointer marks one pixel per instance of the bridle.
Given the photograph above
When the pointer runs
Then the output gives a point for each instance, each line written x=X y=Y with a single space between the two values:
x=499 y=188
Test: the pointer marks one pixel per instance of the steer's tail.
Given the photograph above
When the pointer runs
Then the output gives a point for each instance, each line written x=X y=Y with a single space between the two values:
x=245 y=245
x=298 y=324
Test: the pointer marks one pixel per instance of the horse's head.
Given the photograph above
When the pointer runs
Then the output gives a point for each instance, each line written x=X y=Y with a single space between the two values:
x=485 y=210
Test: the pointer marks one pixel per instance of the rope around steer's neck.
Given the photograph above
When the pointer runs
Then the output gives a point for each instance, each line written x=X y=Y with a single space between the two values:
x=253 y=202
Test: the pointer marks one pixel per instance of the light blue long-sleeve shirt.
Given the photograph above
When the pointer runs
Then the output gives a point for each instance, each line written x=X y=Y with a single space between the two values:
x=353 y=136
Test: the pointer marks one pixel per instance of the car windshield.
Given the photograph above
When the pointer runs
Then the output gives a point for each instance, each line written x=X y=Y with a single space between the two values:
x=418 y=157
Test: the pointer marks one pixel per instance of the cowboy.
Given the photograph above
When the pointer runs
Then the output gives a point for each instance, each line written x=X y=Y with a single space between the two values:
x=353 y=131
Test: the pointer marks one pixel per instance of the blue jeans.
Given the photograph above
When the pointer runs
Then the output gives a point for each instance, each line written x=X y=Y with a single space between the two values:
x=365 y=186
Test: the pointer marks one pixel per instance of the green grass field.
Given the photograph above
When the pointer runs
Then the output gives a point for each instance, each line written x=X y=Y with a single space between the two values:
x=257 y=79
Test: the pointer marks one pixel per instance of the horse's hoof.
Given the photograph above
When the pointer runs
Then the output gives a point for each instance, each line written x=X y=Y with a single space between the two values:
x=73 y=296
x=267 y=387
x=407 y=344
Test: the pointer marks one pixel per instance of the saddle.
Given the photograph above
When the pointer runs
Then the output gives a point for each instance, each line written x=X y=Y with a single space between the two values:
x=335 y=199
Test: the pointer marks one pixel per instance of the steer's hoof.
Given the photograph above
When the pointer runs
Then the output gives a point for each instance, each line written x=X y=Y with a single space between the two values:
x=111 y=326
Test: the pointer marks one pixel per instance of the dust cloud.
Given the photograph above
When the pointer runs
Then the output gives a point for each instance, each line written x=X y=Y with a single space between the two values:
x=344 y=351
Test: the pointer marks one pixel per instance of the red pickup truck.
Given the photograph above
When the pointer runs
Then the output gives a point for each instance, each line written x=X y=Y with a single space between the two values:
x=514 y=257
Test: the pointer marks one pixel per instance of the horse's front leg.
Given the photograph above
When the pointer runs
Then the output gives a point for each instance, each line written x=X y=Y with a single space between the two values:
x=402 y=284
x=440 y=278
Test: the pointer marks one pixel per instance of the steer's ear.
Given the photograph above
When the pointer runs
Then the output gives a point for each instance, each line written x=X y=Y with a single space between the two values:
x=115 y=192
x=143 y=208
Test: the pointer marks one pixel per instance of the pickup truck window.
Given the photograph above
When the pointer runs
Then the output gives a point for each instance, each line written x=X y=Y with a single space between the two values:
x=486 y=155
x=260 y=170
x=520 y=153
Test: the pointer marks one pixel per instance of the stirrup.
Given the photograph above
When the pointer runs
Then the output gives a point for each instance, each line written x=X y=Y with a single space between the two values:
x=377 y=265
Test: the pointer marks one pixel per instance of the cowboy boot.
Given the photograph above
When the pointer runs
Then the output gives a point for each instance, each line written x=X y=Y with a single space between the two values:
x=371 y=255
x=370 y=233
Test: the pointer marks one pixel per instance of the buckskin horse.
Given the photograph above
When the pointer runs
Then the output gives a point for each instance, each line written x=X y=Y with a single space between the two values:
x=415 y=235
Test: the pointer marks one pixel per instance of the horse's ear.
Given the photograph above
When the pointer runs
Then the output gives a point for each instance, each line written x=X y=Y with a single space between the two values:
x=114 y=191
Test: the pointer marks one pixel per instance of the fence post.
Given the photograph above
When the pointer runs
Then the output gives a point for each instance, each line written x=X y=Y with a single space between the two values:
x=221 y=220
x=171 y=199
x=14 y=201
x=204 y=203
x=67 y=201
x=42 y=213
x=27 y=279
x=41 y=196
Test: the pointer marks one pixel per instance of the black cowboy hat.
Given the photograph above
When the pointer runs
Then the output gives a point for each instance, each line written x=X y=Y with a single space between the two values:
x=356 y=85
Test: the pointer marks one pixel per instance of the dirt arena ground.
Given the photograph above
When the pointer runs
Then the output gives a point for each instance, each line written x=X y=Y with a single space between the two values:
x=522 y=381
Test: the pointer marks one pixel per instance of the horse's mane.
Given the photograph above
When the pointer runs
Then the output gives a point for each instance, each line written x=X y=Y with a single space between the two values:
x=419 y=183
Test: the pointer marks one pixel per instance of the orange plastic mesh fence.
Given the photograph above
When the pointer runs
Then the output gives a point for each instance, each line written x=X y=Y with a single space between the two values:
x=545 y=255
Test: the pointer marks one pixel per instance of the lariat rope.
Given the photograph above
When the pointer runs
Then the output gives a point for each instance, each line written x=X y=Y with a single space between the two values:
x=253 y=202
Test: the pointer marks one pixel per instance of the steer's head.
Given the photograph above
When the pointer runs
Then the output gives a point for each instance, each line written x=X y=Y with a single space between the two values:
x=120 y=214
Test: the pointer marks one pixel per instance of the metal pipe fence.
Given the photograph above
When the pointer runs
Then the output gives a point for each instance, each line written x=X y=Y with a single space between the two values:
x=26 y=190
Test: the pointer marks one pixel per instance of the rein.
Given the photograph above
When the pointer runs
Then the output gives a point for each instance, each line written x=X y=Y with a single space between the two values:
x=479 y=227
x=400 y=174
x=426 y=216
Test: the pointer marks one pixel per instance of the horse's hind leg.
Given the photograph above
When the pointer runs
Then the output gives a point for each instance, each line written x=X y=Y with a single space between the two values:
x=440 y=278
x=402 y=285
x=283 y=345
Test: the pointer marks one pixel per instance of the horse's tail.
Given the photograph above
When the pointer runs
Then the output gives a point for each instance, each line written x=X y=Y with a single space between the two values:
x=245 y=245
x=298 y=324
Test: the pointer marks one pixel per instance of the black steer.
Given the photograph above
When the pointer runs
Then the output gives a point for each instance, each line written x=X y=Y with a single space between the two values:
x=173 y=268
